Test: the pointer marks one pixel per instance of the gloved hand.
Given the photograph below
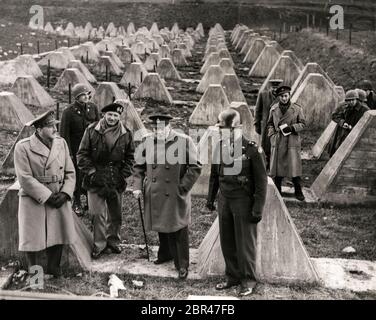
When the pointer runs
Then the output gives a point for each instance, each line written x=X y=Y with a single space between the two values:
x=210 y=206
x=51 y=201
x=253 y=218
x=60 y=199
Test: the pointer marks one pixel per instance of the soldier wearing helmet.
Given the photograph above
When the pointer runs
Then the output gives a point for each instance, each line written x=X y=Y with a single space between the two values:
x=75 y=119
x=238 y=173
x=346 y=116
x=366 y=85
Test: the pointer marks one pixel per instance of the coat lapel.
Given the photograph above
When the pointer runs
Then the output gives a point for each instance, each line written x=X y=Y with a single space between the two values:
x=55 y=150
x=38 y=147
x=288 y=114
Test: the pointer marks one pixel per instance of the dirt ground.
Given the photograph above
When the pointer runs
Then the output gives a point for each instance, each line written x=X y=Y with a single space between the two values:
x=325 y=231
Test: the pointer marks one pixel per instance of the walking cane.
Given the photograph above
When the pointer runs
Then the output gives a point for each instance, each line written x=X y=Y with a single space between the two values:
x=143 y=227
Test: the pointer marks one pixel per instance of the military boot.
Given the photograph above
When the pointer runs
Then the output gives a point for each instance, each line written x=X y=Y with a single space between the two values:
x=298 y=189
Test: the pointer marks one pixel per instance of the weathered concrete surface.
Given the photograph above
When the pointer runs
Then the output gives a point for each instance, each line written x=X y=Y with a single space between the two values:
x=57 y=60
x=30 y=92
x=164 y=51
x=131 y=118
x=254 y=51
x=28 y=64
x=310 y=68
x=5 y=278
x=294 y=58
x=213 y=75
x=10 y=71
x=224 y=53
x=278 y=47
x=13 y=113
x=134 y=75
x=71 y=77
x=178 y=58
x=282 y=256
x=265 y=62
x=324 y=139
x=211 y=104
x=246 y=120
x=213 y=59
x=86 y=51
x=248 y=43
x=231 y=86
x=67 y=53
x=318 y=99
x=125 y=54
x=106 y=93
x=153 y=87
x=152 y=61
x=243 y=40
x=349 y=177
x=226 y=66
x=209 y=50
x=346 y=274
x=106 y=45
x=115 y=58
x=112 y=67
x=82 y=68
x=167 y=70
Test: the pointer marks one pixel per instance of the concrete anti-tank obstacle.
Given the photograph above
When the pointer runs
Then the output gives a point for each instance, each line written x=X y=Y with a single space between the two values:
x=49 y=28
x=114 y=58
x=238 y=36
x=131 y=29
x=126 y=55
x=226 y=66
x=77 y=64
x=158 y=39
x=284 y=69
x=13 y=113
x=224 y=53
x=310 y=67
x=10 y=70
x=213 y=59
x=164 y=51
x=67 y=53
x=200 y=29
x=154 y=28
x=76 y=255
x=167 y=70
x=110 y=28
x=86 y=51
x=140 y=48
x=174 y=45
x=105 y=45
x=209 y=51
x=254 y=51
x=264 y=63
x=152 y=61
x=186 y=52
x=294 y=58
x=57 y=60
x=88 y=27
x=105 y=61
x=282 y=257
x=131 y=119
x=211 y=104
x=318 y=99
x=242 y=40
x=153 y=87
x=246 y=119
x=30 y=92
x=178 y=58
x=323 y=141
x=341 y=93
x=133 y=74
x=349 y=175
x=106 y=93
x=251 y=39
x=71 y=77
x=213 y=75
x=28 y=64
x=231 y=87
x=7 y=166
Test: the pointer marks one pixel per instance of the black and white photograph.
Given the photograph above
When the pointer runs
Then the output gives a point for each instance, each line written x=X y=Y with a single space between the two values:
x=190 y=156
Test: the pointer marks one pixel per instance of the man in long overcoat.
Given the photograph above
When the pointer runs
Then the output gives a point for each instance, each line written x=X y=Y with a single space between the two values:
x=74 y=120
x=46 y=175
x=366 y=85
x=166 y=169
x=264 y=101
x=285 y=158
x=346 y=115
x=105 y=157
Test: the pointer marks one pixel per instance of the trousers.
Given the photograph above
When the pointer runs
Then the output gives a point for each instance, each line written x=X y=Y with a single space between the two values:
x=54 y=254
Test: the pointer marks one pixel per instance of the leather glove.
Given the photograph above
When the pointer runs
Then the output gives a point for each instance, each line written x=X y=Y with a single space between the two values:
x=51 y=201
x=60 y=199
x=254 y=218
x=210 y=206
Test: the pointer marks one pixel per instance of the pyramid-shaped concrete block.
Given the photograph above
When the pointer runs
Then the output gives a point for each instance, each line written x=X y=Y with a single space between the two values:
x=294 y=58
x=251 y=39
x=178 y=58
x=226 y=66
x=105 y=45
x=164 y=51
x=126 y=55
x=167 y=70
x=67 y=53
x=111 y=27
x=71 y=77
x=285 y=69
x=200 y=29
x=231 y=86
x=114 y=58
x=131 y=119
x=131 y=29
x=154 y=28
x=134 y=74
x=211 y=104
x=106 y=62
x=341 y=93
x=209 y=50
x=28 y=64
x=186 y=52
x=86 y=52
x=140 y=48
x=158 y=39
x=153 y=87
x=30 y=92
x=57 y=60
x=242 y=40
x=280 y=50
x=238 y=36
x=246 y=118
x=213 y=59
x=152 y=61
x=282 y=257
x=49 y=28
x=10 y=70
x=318 y=99
x=310 y=67
x=349 y=175
x=264 y=63
x=106 y=93
x=7 y=166
x=88 y=27
x=213 y=75
x=323 y=141
x=13 y=113
x=224 y=53
x=77 y=64
x=254 y=51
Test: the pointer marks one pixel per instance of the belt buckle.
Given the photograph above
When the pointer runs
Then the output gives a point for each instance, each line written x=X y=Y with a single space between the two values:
x=55 y=178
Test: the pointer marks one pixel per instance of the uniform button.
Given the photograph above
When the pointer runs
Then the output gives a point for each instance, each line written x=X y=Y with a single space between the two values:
x=154 y=166
x=154 y=179
x=167 y=167
x=61 y=168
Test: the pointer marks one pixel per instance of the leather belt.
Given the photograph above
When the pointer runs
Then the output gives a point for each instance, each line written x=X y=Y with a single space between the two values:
x=50 y=179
